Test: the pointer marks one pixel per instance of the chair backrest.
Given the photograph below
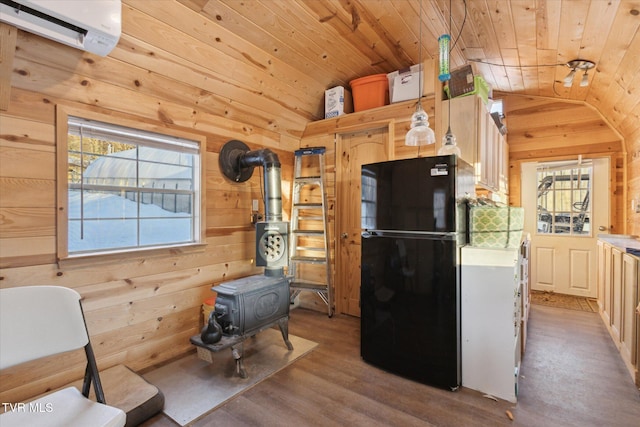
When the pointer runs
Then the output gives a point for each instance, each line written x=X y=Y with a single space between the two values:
x=39 y=321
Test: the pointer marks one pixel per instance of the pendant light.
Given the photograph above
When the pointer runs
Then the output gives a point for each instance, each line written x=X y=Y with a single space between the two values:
x=420 y=132
x=449 y=145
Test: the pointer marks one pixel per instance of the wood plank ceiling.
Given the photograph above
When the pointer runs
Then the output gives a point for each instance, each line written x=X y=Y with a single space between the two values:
x=519 y=46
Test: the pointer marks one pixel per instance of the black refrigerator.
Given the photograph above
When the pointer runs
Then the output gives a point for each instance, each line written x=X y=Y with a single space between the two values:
x=414 y=222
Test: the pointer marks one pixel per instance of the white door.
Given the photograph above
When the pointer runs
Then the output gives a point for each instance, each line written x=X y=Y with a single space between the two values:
x=566 y=207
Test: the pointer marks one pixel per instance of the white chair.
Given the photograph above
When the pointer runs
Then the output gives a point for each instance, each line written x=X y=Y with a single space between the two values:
x=39 y=321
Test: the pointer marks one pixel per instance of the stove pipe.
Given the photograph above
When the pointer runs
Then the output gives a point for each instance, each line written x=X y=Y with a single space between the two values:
x=272 y=179
x=237 y=163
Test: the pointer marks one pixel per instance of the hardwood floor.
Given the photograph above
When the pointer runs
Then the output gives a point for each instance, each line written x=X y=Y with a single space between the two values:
x=572 y=375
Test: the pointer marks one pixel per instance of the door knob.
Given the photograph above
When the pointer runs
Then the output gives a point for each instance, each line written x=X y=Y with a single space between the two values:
x=344 y=235
x=602 y=228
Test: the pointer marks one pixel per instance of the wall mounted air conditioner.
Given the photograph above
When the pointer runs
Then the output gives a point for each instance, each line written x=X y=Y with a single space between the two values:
x=93 y=25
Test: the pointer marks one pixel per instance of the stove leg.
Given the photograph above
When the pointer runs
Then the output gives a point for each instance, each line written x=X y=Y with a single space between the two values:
x=284 y=329
x=237 y=351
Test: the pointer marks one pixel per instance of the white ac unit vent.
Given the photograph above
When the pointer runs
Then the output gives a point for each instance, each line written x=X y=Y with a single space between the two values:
x=93 y=26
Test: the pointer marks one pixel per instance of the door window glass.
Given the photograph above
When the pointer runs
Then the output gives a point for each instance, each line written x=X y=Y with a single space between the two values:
x=369 y=200
x=564 y=206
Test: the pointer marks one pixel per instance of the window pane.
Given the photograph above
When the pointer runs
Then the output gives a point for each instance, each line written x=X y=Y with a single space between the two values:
x=163 y=231
x=111 y=171
x=101 y=205
x=368 y=202
x=91 y=235
x=129 y=192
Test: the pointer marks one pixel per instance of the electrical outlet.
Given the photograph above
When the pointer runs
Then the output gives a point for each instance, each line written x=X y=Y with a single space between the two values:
x=254 y=205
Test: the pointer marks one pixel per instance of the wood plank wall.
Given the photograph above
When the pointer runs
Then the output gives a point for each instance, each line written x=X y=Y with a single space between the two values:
x=142 y=310
x=633 y=181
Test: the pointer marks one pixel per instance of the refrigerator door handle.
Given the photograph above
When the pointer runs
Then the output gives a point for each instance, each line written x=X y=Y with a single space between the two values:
x=367 y=234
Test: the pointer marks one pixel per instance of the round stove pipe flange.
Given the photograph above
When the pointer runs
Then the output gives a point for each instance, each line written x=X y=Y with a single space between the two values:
x=237 y=163
x=229 y=161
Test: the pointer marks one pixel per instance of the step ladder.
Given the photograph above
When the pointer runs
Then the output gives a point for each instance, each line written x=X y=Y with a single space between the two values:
x=309 y=263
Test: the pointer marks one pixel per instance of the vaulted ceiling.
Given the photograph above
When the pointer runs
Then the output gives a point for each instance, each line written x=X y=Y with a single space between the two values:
x=518 y=46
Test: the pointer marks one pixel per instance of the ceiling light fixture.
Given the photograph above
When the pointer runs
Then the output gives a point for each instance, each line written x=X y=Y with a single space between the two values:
x=578 y=65
x=420 y=132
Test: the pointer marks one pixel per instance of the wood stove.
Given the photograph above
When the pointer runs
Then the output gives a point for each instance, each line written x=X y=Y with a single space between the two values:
x=245 y=307
x=252 y=304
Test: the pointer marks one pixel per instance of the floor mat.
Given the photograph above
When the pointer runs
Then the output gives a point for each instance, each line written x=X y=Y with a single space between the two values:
x=571 y=302
x=193 y=387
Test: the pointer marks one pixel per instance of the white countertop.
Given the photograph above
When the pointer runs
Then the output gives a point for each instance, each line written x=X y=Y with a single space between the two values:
x=621 y=241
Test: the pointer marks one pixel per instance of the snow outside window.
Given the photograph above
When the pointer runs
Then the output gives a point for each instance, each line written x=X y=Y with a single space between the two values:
x=130 y=189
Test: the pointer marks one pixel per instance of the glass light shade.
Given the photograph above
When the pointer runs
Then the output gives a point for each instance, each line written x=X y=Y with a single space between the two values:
x=568 y=81
x=585 y=80
x=420 y=132
x=449 y=145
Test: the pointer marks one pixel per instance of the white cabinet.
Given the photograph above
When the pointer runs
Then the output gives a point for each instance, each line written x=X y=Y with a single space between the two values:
x=491 y=321
x=629 y=320
x=503 y=173
x=525 y=289
x=616 y=293
x=465 y=126
x=481 y=143
x=601 y=277
x=606 y=294
x=618 y=297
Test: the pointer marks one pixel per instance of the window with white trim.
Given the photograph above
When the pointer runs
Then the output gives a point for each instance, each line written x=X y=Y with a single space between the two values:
x=564 y=195
x=129 y=189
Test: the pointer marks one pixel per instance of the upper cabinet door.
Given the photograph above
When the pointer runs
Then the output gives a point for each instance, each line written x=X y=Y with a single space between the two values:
x=464 y=125
x=479 y=140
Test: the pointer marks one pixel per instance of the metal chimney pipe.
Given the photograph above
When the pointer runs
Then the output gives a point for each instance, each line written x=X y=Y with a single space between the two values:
x=273 y=198
x=272 y=179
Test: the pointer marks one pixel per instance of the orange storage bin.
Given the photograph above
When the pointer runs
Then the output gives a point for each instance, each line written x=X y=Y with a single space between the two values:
x=370 y=92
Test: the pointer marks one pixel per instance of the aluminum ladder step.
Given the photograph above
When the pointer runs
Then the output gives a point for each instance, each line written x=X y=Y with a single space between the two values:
x=309 y=259
x=308 y=232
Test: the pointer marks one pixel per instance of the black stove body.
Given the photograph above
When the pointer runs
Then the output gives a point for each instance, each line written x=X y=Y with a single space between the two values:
x=245 y=306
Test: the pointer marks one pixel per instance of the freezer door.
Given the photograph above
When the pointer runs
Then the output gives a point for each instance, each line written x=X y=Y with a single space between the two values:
x=411 y=195
x=409 y=308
